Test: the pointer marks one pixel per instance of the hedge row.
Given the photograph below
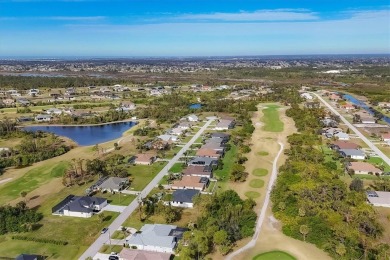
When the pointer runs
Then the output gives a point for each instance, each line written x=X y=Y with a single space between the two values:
x=41 y=240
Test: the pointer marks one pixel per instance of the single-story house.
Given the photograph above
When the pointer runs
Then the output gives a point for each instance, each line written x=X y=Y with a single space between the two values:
x=348 y=107
x=385 y=137
x=126 y=106
x=23 y=102
x=367 y=120
x=337 y=145
x=183 y=198
x=341 y=136
x=177 y=131
x=334 y=97
x=79 y=206
x=144 y=159
x=352 y=153
x=184 y=125
x=8 y=101
x=168 y=138
x=159 y=144
x=207 y=152
x=132 y=254
x=55 y=111
x=363 y=168
x=306 y=96
x=218 y=135
x=114 y=184
x=224 y=124
x=43 y=118
x=201 y=171
x=203 y=161
x=214 y=146
x=379 y=198
x=156 y=238
x=29 y=257
x=192 y=118
x=327 y=122
x=190 y=182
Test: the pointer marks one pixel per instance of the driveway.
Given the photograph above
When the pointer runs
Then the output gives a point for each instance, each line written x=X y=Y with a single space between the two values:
x=114 y=208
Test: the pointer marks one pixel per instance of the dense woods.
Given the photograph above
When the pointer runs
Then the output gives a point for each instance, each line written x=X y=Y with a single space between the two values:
x=18 y=218
x=315 y=205
x=225 y=218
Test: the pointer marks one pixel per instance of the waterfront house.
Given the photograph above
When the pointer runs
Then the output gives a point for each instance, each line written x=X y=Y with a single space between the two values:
x=43 y=118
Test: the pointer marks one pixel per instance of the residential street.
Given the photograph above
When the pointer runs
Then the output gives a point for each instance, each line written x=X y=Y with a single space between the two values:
x=102 y=239
x=263 y=210
x=356 y=131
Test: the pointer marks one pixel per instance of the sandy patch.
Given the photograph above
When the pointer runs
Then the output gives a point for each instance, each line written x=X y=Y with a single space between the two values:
x=5 y=180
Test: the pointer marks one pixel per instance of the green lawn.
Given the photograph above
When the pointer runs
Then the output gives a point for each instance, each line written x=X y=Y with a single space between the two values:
x=172 y=152
x=256 y=183
x=252 y=194
x=271 y=119
x=177 y=168
x=260 y=172
x=228 y=161
x=118 y=234
x=117 y=199
x=263 y=153
x=143 y=174
x=378 y=161
x=274 y=255
x=31 y=180
x=107 y=249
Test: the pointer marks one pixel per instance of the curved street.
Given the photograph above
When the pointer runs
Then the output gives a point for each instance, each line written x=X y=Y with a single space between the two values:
x=263 y=210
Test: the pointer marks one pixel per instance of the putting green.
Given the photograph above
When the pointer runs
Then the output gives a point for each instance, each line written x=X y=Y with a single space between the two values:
x=256 y=183
x=263 y=153
x=252 y=194
x=260 y=172
x=274 y=255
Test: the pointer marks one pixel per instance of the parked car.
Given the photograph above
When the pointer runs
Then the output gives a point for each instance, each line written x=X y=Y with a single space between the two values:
x=104 y=230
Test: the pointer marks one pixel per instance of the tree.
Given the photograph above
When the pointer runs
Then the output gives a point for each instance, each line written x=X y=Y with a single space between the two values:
x=341 y=250
x=116 y=146
x=356 y=185
x=304 y=230
x=102 y=217
x=220 y=237
x=301 y=212
x=23 y=194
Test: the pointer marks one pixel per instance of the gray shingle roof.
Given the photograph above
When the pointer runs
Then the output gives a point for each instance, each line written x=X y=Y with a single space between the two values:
x=184 y=195
x=83 y=204
x=113 y=183
x=154 y=235
x=352 y=152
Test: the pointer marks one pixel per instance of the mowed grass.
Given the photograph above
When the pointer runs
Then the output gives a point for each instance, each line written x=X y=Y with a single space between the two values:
x=271 y=119
x=274 y=255
x=177 y=168
x=252 y=194
x=31 y=180
x=256 y=183
x=121 y=199
x=228 y=161
x=143 y=174
x=378 y=161
x=260 y=172
x=263 y=153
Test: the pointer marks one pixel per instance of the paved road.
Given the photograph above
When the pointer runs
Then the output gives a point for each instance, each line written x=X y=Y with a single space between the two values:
x=357 y=132
x=263 y=210
x=102 y=239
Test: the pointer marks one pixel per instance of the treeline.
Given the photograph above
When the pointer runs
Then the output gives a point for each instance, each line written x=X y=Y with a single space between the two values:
x=315 y=205
x=25 y=83
x=41 y=240
x=34 y=147
x=93 y=118
x=18 y=219
x=225 y=218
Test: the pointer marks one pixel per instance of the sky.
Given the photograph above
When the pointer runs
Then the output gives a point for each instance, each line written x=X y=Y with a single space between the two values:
x=132 y=28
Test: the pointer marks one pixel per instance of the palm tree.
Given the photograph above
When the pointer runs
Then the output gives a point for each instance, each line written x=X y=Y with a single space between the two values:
x=304 y=230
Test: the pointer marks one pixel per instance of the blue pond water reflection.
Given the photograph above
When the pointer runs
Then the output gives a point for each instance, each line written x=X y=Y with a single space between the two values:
x=195 y=106
x=363 y=105
x=87 y=135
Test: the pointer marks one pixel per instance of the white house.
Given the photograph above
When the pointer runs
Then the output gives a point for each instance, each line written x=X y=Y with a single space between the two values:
x=379 y=198
x=368 y=120
x=13 y=93
x=33 y=92
x=192 y=118
x=55 y=111
x=306 y=96
x=156 y=238
x=224 y=124
x=43 y=118
x=177 y=131
x=79 y=206
x=168 y=138
x=342 y=136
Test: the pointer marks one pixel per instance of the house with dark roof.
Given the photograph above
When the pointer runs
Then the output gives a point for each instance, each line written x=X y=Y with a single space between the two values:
x=79 y=206
x=203 y=161
x=183 y=198
x=352 y=153
x=29 y=257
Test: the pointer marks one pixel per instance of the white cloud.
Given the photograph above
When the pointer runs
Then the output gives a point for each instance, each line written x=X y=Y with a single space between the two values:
x=259 y=15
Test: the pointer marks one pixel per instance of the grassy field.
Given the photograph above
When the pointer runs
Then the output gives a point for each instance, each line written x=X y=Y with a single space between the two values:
x=117 y=199
x=171 y=153
x=143 y=174
x=260 y=172
x=118 y=234
x=228 y=161
x=31 y=180
x=177 y=168
x=271 y=119
x=263 y=153
x=252 y=194
x=107 y=249
x=274 y=255
x=256 y=183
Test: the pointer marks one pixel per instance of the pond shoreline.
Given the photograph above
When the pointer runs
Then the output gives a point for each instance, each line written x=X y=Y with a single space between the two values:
x=107 y=123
